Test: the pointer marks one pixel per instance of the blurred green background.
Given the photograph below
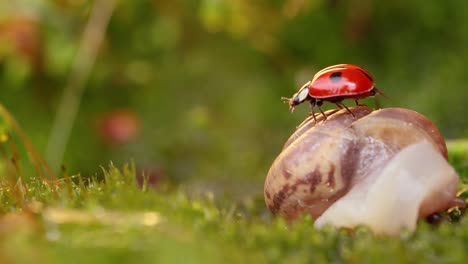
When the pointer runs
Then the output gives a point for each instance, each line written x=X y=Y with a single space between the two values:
x=190 y=89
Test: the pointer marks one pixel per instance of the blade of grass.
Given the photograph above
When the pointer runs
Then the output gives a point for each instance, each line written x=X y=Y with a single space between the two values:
x=35 y=158
x=92 y=38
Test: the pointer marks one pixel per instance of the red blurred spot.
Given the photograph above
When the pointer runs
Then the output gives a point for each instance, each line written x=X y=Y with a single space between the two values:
x=23 y=34
x=118 y=127
x=151 y=175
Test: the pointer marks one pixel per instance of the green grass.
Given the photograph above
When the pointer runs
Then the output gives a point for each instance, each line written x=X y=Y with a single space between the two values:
x=108 y=218
x=113 y=220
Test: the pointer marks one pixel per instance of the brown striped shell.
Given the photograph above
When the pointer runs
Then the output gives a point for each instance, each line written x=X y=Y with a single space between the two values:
x=321 y=162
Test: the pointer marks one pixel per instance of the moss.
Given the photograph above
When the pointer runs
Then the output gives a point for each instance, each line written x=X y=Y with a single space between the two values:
x=116 y=221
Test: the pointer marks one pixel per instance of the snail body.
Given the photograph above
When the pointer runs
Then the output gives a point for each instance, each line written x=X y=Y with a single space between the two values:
x=324 y=162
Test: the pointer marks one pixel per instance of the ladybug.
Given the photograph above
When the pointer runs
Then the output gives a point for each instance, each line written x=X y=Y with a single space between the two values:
x=333 y=84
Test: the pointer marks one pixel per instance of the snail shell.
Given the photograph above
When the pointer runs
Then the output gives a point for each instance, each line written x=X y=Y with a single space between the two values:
x=321 y=163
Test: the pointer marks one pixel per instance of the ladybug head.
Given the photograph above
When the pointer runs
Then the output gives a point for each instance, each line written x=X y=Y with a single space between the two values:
x=299 y=97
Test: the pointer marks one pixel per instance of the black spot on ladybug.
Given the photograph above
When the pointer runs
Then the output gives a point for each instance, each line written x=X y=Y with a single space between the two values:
x=335 y=77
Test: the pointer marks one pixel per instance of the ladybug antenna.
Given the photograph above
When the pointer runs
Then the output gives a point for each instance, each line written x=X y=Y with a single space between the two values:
x=377 y=91
x=290 y=102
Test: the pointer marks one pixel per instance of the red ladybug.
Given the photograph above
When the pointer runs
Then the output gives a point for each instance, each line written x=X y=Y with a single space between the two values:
x=333 y=84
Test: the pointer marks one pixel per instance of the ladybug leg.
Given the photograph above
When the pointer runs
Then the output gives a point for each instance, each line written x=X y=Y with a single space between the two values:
x=341 y=105
x=312 y=106
x=357 y=103
x=319 y=104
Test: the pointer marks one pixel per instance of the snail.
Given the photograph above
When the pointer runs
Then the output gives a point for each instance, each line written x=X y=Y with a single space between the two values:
x=384 y=169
